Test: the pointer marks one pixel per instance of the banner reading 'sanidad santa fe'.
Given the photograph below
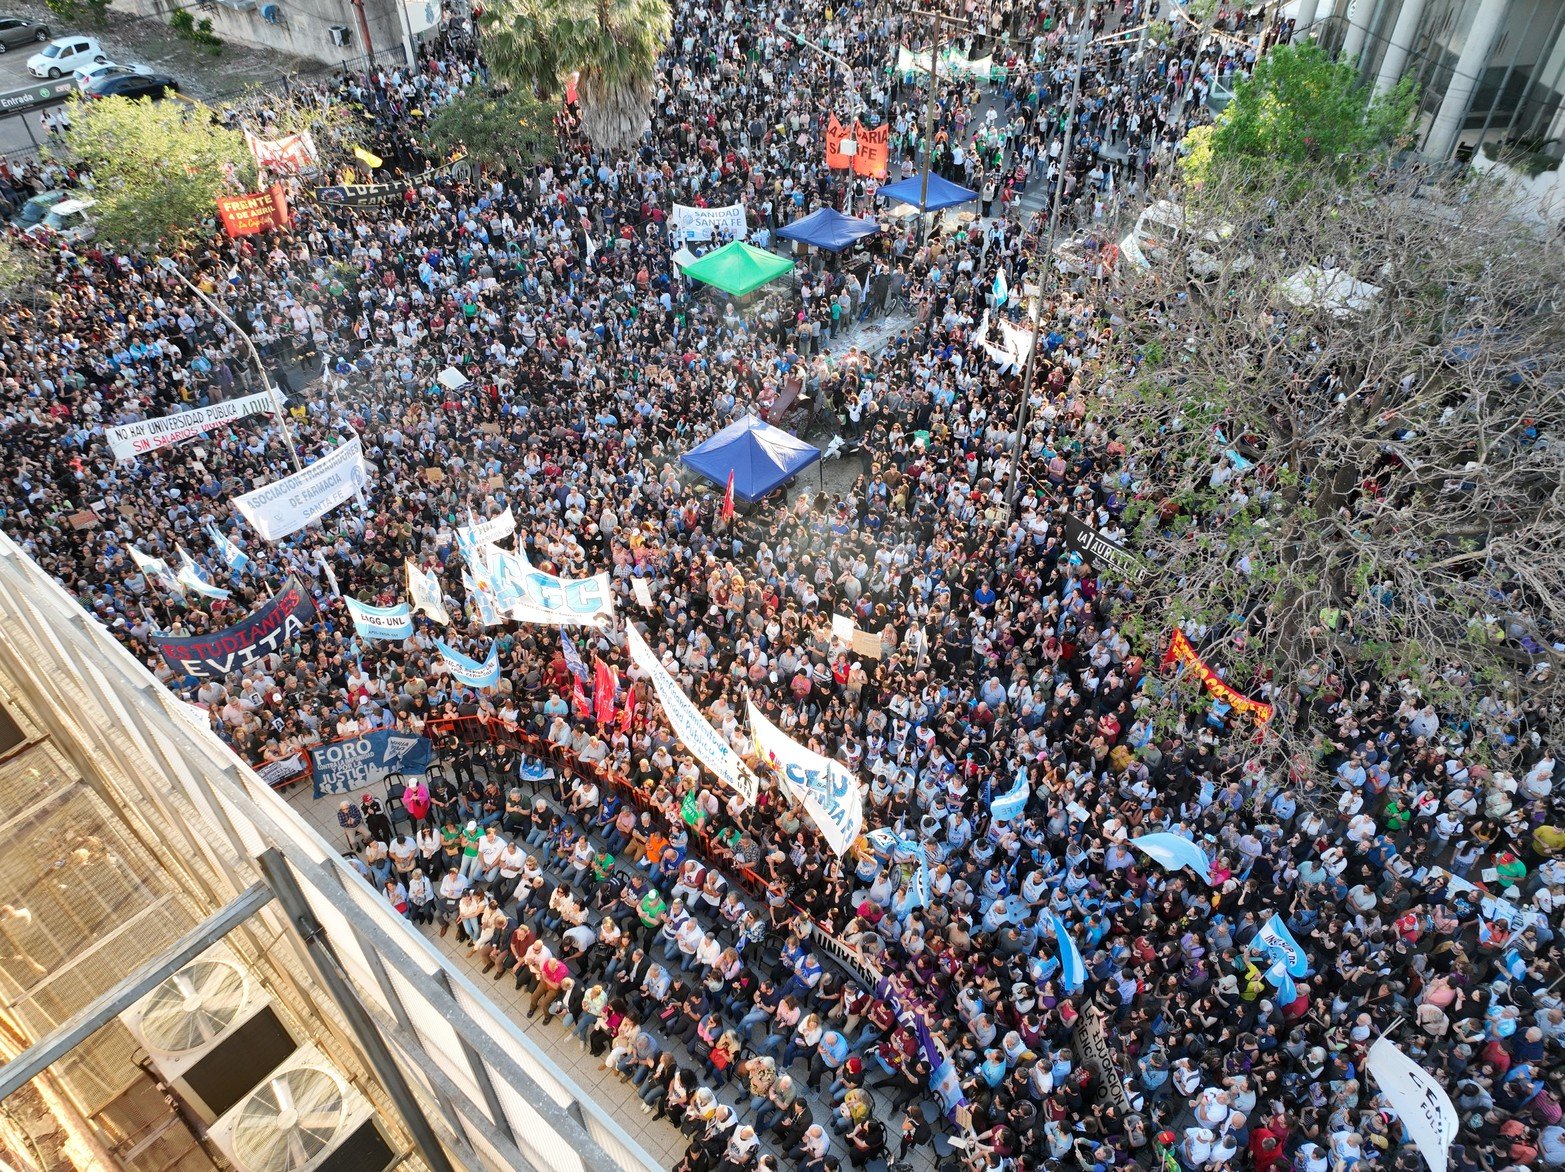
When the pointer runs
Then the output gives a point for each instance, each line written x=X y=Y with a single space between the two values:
x=827 y=789
x=286 y=506
x=212 y=656
x=689 y=223
x=130 y=440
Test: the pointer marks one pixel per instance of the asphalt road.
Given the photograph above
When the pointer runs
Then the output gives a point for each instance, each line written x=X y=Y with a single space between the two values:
x=14 y=76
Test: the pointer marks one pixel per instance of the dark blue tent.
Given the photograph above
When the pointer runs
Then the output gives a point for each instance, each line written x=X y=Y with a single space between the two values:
x=759 y=455
x=942 y=193
x=829 y=229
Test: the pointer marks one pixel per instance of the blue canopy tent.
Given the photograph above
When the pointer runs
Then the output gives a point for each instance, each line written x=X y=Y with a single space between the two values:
x=829 y=229
x=759 y=455
x=942 y=193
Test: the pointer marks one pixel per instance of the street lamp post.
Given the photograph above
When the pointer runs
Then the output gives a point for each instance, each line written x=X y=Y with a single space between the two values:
x=1048 y=246
x=168 y=266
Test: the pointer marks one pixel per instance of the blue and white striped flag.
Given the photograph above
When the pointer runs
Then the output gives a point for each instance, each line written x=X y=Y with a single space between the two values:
x=190 y=575
x=238 y=561
x=1279 y=944
x=573 y=659
x=1277 y=977
x=1073 y=970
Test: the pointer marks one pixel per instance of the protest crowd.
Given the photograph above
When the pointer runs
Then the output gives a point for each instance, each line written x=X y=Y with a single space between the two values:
x=990 y=955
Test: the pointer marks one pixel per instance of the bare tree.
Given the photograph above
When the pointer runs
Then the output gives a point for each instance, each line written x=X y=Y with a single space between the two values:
x=1346 y=425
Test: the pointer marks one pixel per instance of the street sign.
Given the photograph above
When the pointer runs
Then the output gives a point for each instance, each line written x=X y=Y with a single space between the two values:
x=47 y=93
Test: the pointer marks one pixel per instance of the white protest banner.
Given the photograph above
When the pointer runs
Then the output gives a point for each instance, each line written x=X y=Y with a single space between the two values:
x=130 y=440
x=827 y=789
x=688 y=223
x=1419 y=1101
x=424 y=591
x=481 y=533
x=286 y=506
x=273 y=772
x=643 y=592
x=705 y=743
x=532 y=596
x=1095 y=1053
x=381 y=622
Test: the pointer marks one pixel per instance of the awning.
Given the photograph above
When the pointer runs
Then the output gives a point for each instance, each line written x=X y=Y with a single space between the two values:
x=942 y=193
x=759 y=455
x=738 y=268
x=829 y=229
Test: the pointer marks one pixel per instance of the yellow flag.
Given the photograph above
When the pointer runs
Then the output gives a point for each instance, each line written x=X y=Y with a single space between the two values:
x=364 y=156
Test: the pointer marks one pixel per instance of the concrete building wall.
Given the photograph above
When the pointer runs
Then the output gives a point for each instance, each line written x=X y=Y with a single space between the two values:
x=303 y=27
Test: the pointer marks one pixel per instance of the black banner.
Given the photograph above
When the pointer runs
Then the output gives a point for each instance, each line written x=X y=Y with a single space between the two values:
x=358 y=195
x=1104 y=551
x=213 y=656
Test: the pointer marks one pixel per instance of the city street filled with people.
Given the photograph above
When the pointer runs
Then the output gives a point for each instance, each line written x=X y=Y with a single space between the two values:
x=993 y=973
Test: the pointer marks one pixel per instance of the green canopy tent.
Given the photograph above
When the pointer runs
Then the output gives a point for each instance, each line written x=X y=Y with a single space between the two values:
x=738 y=268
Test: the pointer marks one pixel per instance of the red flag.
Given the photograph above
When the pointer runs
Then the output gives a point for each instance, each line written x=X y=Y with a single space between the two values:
x=728 y=498
x=874 y=151
x=604 y=684
x=628 y=713
x=579 y=697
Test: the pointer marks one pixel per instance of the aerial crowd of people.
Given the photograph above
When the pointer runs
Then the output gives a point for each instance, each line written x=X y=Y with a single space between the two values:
x=690 y=939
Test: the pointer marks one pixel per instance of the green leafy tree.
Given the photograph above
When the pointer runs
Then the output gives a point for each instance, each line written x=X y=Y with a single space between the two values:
x=21 y=268
x=1346 y=433
x=158 y=166
x=611 y=45
x=1306 y=114
x=93 y=12
x=509 y=128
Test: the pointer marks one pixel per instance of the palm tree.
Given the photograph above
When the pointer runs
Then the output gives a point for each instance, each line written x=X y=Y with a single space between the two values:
x=613 y=45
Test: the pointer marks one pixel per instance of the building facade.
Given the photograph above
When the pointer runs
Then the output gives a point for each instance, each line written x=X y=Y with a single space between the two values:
x=1488 y=71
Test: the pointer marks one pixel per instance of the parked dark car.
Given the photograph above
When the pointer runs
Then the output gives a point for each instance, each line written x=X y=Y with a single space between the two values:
x=127 y=83
x=15 y=31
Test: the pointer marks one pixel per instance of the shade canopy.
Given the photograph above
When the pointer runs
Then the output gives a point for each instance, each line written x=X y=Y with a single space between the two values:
x=942 y=193
x=829 y=229
x=738 y=268
x=759 y=455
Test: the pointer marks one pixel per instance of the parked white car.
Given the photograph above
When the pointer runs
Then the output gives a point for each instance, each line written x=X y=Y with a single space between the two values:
x=65 y=55
x=86 y=73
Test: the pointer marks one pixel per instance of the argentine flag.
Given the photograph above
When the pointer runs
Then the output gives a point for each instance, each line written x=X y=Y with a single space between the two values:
x=238 y=561
x=1073 y=972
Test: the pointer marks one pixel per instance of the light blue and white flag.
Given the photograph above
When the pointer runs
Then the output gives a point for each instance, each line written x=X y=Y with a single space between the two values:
x=1073 y=970
x=1013 y=801
x=237 y=560
x=1002 y=289
x=1279 y=944
x=488 y=613
x=381 y=622
x=1277 y=977
x=425 y=593
x=190 y=576
x=532 y=596
x=157 y=571
x=469 y=672
x=1172 y=851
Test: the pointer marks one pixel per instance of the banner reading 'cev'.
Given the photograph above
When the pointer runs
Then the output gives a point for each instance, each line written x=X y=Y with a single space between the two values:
x=213 y=656
x=359 y=762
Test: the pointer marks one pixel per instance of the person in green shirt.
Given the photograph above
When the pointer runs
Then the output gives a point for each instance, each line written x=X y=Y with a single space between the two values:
x=652 y=911
x=470 y=837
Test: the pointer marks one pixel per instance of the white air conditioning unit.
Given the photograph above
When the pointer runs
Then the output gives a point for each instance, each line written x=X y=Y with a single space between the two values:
x=210 y=1031
x=340 y=34
x=302 y=1117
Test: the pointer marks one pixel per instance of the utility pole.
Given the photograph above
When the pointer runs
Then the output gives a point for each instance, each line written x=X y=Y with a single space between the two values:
x=938 y=23
x=1048 y=258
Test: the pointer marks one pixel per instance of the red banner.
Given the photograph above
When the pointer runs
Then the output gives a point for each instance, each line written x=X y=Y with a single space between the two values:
x=874 y=151
x=604 y=684
x=245 y=215
x=1180 y=652
x=835 y=133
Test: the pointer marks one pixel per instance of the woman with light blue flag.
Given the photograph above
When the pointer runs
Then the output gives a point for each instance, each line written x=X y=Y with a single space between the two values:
x=1173 y=851
x=1073 y=972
